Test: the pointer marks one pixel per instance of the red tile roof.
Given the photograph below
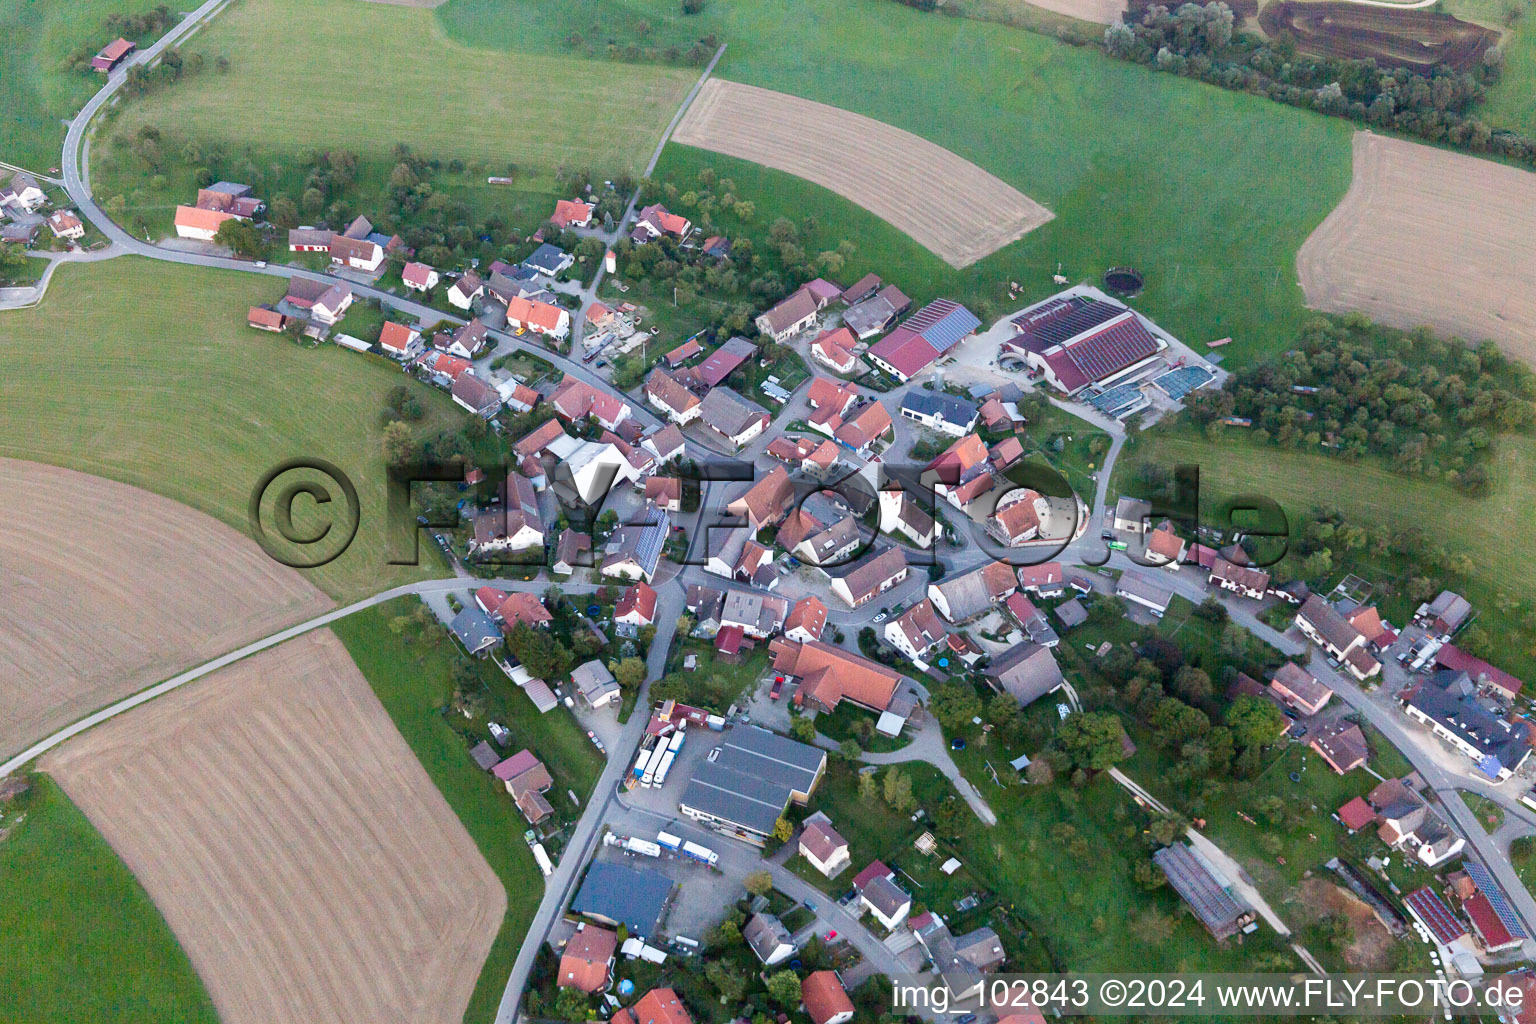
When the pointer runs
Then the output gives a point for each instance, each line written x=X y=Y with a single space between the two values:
x=809 y=614
x=658 y=1006
x=908 y=353
x=831 y=674
x=874 y=870
x=639 y=598
x=416 y=274
x=569 y=211
x=1356 y=814
x=1454 y=658
x=1486 y=920
x=205 y=220
x=116 y=49
x=824 y=997
x=584 y=963
x=260 y=316
x=395 y=337
x=871 y=422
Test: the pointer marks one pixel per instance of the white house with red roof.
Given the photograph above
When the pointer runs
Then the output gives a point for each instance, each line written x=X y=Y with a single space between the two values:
x=199 y=224
x=637 y=606
x=463 y=292
x=571 y=213
x=401 y=342
x=835 y=349
x=419 y=277
x=64 y=224
x=656 y=220
x=540 y=317
x=923 y=338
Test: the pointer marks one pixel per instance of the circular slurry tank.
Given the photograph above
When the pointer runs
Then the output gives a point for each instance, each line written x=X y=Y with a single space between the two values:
x=1124 y=281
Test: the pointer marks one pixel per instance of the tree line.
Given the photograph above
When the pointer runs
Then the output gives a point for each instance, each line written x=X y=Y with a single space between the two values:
x=1428 y=406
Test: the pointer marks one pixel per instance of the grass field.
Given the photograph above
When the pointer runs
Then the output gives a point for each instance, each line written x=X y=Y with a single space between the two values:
x=391 y=75
x=36 y=90
x=1512 y=102
x=174 y=393
x=82 y=939
x=414 y=681
x=1138 y=167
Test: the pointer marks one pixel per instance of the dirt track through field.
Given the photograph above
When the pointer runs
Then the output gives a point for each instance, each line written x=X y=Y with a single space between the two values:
x=301 y=855
x=953 y=208
x=1430 y=237
x=106 y=589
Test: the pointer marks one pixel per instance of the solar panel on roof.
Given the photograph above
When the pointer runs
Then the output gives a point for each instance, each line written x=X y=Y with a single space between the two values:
x=1181 y=381
x=1119 y=400
x=1488 y=887
x=1048 y=326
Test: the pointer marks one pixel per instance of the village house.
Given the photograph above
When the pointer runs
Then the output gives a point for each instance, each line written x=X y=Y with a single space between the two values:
x=570 y=551
x=512 y=610
x=465 y=341
x=419 y=277
x=835 y=350
x=874 y=314
x=900 y=513
x=790 y=316
x=829 y=400
x=861 y=429
x=664 y=393
x=656 y=220
x=586 y=963
x=658 y=1006
x=917 y=633
x=879 y=569
x=464 y=291
x=684 y=352
x=1342 y=745
x=1132 y=515
x=539 y=317
x=923 y=338
x=64 y=224
x=21 y=192
x=514 y=523
x=665 y=492
x=962 y=596
x=527 y=780
x=1031 y=620
x=202 y=225
x=399 y=341
x=634 y=550
x=595 y=684
x=1046 y=579
x=1164 y=546
x=766 y=936
x=571 y=213
x=549 y=261
x=637 y=605
x=1140 y=588
x=1077 y=342
x=963 y=472
x=1324 y=626
x=574 y=400
x=938 y=411
x=732 y=417
x=331 y=305
x=1239 y=579
x=731 y=551
x=881 y=896
x=1018 y=516
x=766 y=501
x=1299 y=689
x=356 y=253
x=822 y=846
x=825 y=999
x=1445 y=614
x=476 y=396
x=828 y=675
x=441 y=368
x=820 y=530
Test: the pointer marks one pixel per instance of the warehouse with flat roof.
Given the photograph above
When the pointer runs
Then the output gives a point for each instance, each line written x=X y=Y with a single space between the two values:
x=744 y=791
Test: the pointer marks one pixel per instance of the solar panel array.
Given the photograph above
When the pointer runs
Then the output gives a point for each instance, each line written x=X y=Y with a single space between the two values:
x=942 y=323
x=1112 y=349
x=1084 y=315
x=1483 y=879
x=1119 y=400
x=1180 y=382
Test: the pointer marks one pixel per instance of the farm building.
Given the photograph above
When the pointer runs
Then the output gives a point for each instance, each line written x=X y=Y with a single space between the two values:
x=1208 y=895
x=202 y=225
x=111 y=55
x=922 y=338
x=723 y=361
x=732 y=417
x=1145 y=591
x=1078 y=342
x=876 y=571
x=1026 y=672
x=1447 y=703
x=938 y=411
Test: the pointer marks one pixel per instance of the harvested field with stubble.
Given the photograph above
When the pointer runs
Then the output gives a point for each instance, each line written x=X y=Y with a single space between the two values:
x=950 y=206
x=1425 y=236
x=106 y=589
x=298 y=850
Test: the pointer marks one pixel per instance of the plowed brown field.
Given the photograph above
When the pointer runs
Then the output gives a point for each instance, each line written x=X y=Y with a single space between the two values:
x=299 y=852
x=1429 y=237
x=953 y=208
x=106 y=589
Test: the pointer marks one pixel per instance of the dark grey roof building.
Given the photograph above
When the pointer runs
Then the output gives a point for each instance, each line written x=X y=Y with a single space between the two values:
x=1220 y=911
x=745 y=790
x=475 y=629
x=615 y=894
